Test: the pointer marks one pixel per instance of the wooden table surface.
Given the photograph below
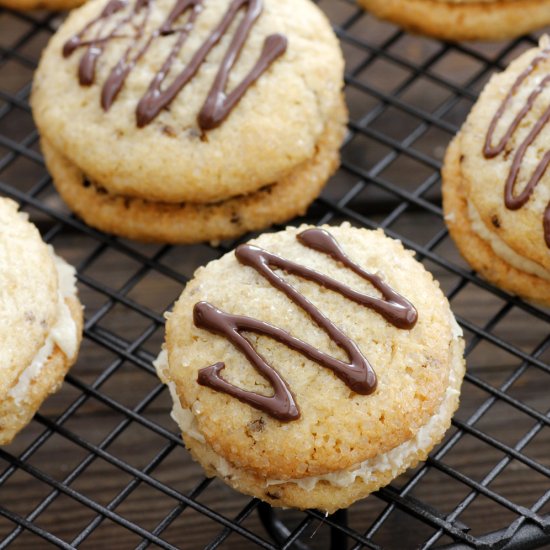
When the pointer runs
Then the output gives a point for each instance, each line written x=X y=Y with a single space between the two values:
x=121 y=341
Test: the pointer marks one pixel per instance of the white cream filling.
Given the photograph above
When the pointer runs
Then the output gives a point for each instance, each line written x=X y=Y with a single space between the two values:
x=501 y=249
x=182 y=417
x=63 y=334
x=395 y=459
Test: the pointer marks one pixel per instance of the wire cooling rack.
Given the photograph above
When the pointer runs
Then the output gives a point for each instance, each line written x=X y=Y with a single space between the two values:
x=101 y=465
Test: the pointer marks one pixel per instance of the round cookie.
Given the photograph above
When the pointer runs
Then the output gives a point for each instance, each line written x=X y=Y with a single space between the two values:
x=361 y=372
x=496 y=186
x=41 y=323
x=464 y=19
x=196 y=102
x=25 y=5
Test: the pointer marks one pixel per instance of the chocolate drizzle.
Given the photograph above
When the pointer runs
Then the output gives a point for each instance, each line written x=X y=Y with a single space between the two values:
x=357 y=374
x=219 y=103
x=512 y=201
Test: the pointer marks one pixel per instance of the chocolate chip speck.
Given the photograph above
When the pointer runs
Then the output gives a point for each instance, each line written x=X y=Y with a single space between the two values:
x=267 y=188
x=256 y=425
x=169 y=131
x=495 y=221
x=30 y=317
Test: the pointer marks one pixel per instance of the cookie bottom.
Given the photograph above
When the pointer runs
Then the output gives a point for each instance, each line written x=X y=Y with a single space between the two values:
x=466 y=20
x=188 y=223
x=14 y=416
x=477 y=252
x=324 y=494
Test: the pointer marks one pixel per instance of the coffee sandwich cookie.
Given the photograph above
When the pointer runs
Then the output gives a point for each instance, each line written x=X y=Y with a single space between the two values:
x=41 y=323
x=191 y=120
x=312 y=366
x=496 y=181
x=464 y=19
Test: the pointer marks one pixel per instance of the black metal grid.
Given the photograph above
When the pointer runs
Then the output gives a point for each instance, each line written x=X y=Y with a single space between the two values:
x=102 y=466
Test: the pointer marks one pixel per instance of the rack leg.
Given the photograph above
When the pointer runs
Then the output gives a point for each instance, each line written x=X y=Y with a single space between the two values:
x=338 y=539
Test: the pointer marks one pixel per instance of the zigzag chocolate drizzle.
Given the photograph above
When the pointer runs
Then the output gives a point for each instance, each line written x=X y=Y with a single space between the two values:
x=511 y=201
x=218 y=103
x=357 y=374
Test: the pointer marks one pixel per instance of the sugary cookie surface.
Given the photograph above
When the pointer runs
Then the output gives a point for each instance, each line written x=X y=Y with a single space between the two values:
x=96 y=94
x=337 y=427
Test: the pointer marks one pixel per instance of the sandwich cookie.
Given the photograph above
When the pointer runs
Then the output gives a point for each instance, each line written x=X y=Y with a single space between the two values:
x=41 y=325
x=312 y=366
x=496 y=181
x=190 y=120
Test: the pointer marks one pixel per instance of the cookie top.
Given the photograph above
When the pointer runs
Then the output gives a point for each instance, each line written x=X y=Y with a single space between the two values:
x=341 y=419
x=160 y=133
x=28 y=296
x=505 y=156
